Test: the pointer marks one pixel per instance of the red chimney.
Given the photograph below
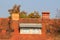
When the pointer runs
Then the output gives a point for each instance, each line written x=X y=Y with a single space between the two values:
x=45 y=15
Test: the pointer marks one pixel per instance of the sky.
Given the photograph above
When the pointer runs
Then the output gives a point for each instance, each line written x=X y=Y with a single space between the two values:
x=30 y=6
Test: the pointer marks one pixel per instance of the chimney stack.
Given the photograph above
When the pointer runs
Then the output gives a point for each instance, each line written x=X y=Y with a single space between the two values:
x=45 y=15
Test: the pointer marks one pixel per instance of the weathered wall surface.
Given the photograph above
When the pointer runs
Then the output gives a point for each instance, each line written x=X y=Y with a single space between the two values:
x=9 y=29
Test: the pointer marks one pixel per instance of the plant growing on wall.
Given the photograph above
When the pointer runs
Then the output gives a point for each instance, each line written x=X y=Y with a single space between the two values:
x=54 y=29
x=57 y=29
x=34 y=15
x=5 y=25
x=23 y=14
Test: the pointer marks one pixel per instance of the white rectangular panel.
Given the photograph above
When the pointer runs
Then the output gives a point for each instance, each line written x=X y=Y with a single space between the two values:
x=30 y=25
x=30 y=31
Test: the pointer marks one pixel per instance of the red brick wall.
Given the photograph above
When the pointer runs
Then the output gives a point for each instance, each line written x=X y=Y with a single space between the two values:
x=16 y=36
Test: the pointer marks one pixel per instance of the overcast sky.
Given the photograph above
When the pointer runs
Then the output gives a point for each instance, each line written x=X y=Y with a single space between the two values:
x=30 y=6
